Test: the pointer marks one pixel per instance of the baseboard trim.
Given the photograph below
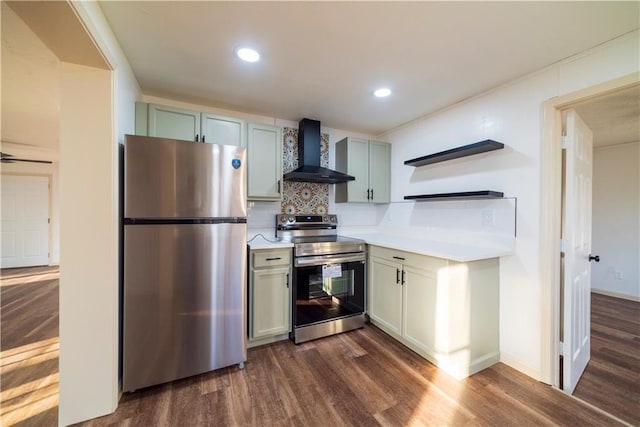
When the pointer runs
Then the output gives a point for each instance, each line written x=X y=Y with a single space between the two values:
x=615 y=294
x=518 y=366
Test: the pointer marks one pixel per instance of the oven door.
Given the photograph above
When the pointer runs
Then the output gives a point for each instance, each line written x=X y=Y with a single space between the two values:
x=327 y=287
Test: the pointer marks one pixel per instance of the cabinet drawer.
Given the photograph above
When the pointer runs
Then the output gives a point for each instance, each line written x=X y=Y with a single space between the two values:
x=271 y=258
x=407 y=258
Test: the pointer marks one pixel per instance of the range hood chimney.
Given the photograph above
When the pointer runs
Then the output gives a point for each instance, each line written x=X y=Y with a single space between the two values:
x=309 y=169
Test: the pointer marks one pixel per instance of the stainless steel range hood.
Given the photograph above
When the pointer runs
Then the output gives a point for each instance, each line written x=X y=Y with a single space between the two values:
x=309 y=158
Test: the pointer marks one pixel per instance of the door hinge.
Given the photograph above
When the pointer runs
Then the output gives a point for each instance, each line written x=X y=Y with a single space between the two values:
x=561 y=348
x=48 y=220
x=563 y=245
x=565 y=142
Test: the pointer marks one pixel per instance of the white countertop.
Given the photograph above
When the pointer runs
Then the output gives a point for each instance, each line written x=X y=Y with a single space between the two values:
x=462 y=247
x=456 y=246
x=265 y=239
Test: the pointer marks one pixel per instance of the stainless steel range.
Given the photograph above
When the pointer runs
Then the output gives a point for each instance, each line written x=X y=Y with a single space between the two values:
x=328 y=276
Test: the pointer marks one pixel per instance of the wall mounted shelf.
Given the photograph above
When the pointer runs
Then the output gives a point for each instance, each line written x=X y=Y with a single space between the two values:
x=466 y=195
x=455 y=153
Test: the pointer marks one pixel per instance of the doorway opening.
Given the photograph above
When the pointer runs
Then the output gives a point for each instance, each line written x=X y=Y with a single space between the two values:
x=552 y=226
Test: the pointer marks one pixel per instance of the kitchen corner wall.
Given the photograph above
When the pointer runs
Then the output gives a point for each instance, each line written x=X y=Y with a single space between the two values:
x=511 y=114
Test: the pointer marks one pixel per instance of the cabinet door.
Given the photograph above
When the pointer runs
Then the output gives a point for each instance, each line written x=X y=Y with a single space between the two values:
x=223 y=130
x=380 y=171
x=426 y=318
x=171 y=122
x=358 y=167
x=270 y=302
x=264 y=162
x=385 y=294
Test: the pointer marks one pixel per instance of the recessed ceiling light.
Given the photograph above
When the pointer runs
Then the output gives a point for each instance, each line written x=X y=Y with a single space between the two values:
x=382 y=92
x=247 y=54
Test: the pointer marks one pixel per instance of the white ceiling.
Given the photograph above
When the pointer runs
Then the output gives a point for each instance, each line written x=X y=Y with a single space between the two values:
x=614 y=118
x=322 y=60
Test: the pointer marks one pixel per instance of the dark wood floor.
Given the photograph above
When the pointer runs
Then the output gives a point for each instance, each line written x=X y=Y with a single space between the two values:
x=358 y=378
x=612 y=378
x=29 y=346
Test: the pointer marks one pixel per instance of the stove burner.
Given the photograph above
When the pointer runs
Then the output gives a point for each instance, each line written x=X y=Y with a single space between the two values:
x=315 y=235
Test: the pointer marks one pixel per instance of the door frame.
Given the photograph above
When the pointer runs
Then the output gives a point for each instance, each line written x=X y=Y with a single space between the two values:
x=550 y=216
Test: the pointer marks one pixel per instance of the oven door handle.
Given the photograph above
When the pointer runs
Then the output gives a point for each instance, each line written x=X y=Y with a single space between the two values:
x=327 y=259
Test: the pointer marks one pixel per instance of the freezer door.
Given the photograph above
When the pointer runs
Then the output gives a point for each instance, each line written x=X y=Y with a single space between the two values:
x=168 y=178
x=184 y=301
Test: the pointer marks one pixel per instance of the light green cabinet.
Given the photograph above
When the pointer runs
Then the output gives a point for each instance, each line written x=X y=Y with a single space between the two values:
x=446 y=311
x=179 y=123
x=385 y=293
x=370 y=163
x=167 y=122
x=223 y=130
x=264 y=162
x=269 y=295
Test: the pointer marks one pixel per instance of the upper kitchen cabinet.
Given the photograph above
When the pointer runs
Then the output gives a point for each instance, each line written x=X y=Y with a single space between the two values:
x=264 y=162
x=223 y=130
x=178 y=123
x=370 y=163
x=167 y=122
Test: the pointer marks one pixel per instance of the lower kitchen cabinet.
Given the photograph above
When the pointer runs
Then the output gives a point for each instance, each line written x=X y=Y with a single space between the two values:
x=446 y=311
x=269 y=295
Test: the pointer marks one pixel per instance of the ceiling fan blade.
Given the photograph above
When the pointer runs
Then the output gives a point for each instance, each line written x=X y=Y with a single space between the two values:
x=10 y=159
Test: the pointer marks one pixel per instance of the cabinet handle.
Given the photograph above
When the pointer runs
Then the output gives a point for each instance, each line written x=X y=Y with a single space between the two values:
x=197 y=137
x=273 y=259
x=287 y=280
x=368 y=193
x=372 y=194
x=278 y=186
x=403 y=281
x=202 y=138
x=397 y=276
x=398 y=257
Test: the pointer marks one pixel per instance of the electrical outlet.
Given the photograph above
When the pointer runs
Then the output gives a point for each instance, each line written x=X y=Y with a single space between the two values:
x=488 y=218
x=619 y=275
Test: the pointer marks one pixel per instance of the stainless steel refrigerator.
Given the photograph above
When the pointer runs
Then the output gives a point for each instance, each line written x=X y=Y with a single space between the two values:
x=184 y=259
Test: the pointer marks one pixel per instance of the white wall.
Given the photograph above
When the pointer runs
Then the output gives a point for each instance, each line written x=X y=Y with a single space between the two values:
x=616 y=213
x=97 y=109
x=510 y=114
x=88 y=263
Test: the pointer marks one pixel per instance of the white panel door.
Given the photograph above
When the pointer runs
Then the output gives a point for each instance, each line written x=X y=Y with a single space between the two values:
x=577 y=274
x=25 y=221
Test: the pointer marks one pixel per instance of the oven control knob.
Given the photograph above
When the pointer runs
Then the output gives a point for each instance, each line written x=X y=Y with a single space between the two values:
x=290 y=219
x=283 y=219
x=333 y=218
x=325 y=219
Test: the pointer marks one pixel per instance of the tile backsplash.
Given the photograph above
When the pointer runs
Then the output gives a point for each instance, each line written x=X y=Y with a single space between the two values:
x=303 y=197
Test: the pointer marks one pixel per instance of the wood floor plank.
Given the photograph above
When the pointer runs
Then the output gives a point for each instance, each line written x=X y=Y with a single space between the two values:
x=612 y=378
x=360 y=378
